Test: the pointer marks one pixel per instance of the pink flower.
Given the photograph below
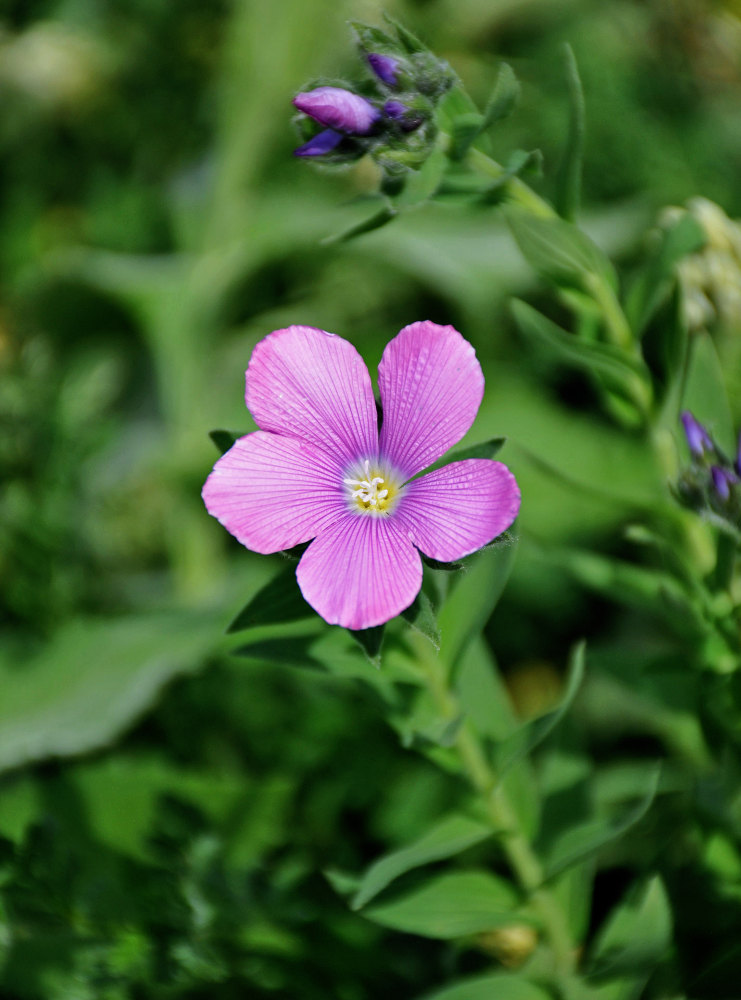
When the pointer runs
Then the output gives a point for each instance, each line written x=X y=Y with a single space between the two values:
x=318 y=468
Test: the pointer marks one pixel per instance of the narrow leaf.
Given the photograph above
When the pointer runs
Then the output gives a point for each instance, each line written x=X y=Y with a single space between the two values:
x=586 y=839
x=367 y=226
x=520 y=161
x=421 y=616
x=472 y=600
x=370 y=641
x=504 y=98
x=422 y=184
x=557 y=250
x=592 y=356
x=224 y=439
x=524 y=740
x=447 y=838
x=280 y=600
x=410 y=42
x=705 y=391
x=637 y=933
x=450 y=906
x=568 y=184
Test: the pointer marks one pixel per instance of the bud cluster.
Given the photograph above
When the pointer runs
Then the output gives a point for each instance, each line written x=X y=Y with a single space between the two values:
x=711 y=279
x=390 y=116
x=711 y=485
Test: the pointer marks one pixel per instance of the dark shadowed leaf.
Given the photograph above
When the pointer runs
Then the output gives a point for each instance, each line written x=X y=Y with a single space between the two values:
x=280 y=600
x=370 y=641
x=224 y=439
x=445 y=839
x=421 y=616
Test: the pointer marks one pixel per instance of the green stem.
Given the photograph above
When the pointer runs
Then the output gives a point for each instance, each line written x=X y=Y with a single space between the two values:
x=725 y=562
x=516 y=189
x=522 y=859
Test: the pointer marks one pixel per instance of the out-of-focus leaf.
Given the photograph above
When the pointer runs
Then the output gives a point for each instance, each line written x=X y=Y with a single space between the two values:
x=486 y=449
x=582 y=841
x=370 y=641
x=92 y=680
x=381 y=218
x=653 y=283
x=557 y=250
x=469 y=125
x=422 y=184
x=705 y=392
x=280 y=600
x=450 y=906
x=637 y=934
x=472 y=600
x=592 y=356
x=446 y=839
x=524 y=740
x=421 y=616
x=499 y=986
x=568 y=182
x=518 y=163
x=224 y=439
x=410 y=41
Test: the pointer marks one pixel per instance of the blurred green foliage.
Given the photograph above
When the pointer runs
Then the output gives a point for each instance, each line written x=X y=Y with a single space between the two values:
x=167 y=810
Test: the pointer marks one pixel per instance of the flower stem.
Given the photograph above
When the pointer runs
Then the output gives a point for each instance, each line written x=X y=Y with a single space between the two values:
x=523 y=861
x=517 y=190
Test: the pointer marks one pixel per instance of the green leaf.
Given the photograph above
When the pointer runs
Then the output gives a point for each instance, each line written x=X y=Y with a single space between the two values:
x=568 y=182
x=524 y=740
x=468 y=125
x=224 y=439
x=658 y=275
x=485 y=449
x=592 y=356
x=280 y=600
x=705 y=392
x=450 y=906
x=636 y=935
x=584 y=840
x=386 y=214
x=447 y=838
x=557 y=250
x=472 y=599
x=370 y=641
x=503 y=99
x=92 y=680
x=499 y=986
x=410 y=42
x=422 y=184
x=421 y=616
x=520 y=161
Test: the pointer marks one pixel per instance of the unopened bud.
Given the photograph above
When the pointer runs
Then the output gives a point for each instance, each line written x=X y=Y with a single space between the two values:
x=386 y=68
x=338 y=109
x=698 y=438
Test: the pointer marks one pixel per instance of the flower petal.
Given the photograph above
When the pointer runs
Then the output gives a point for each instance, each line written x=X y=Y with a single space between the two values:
x=309 y=384
x=456 y=510
x=273 y=492
x=338 y=108
x=320 y=144
x=431 y=387
x=360 y=571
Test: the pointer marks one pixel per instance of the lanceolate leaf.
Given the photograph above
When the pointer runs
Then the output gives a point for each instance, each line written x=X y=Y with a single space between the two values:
x=586 y=839
x=524 y=740
x=557 y=250
x=224 y=439
x=421 y=616
x=280 y=600
x=450 y=906
x=568 y=189
x=370 y=641
x=447 y=838
x=592 y=356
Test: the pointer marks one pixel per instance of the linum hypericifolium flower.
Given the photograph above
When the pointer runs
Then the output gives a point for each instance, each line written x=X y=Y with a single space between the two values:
x=319 y=470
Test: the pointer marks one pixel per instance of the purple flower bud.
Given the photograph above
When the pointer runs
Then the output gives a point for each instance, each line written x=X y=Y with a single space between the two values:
x=338 y=109
x=408 y=119
x=698 y=438
x=385 y=68
x=320 y=144
x=722 y=481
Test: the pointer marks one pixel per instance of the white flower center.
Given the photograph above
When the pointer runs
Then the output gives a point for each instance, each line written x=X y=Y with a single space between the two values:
x=373 y=493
